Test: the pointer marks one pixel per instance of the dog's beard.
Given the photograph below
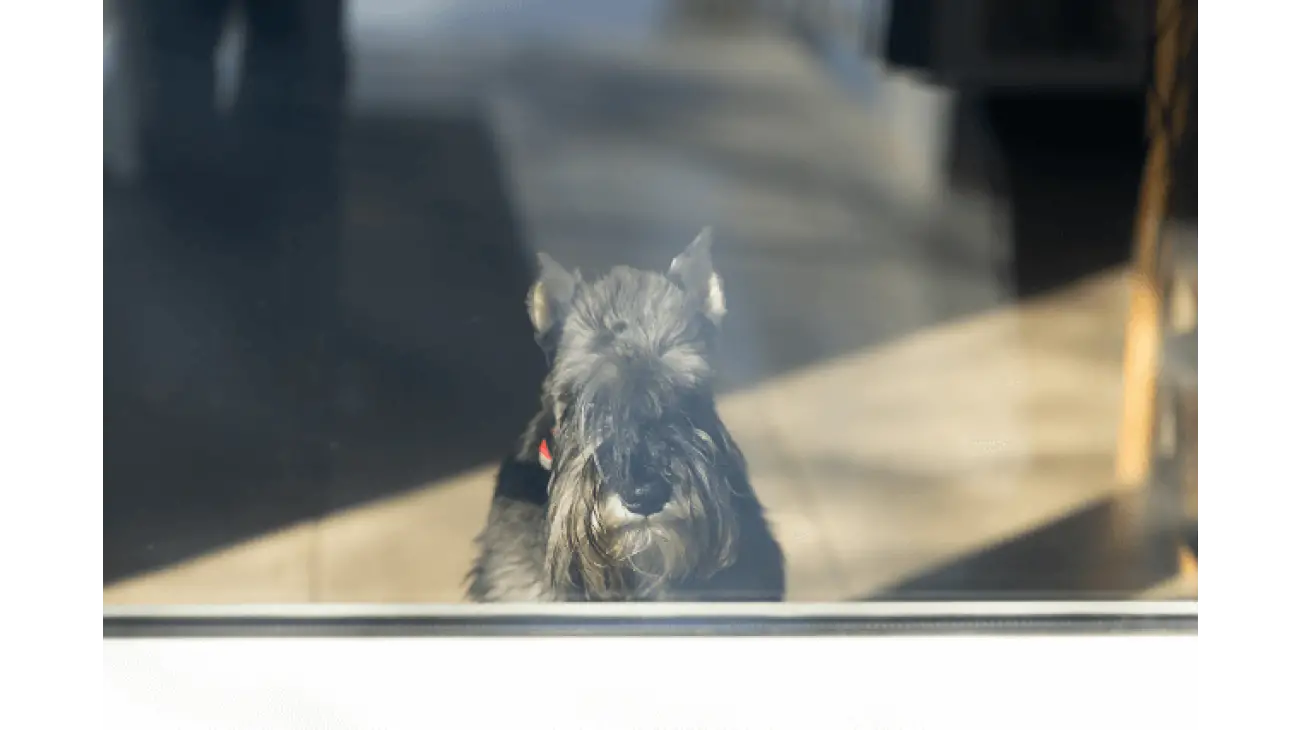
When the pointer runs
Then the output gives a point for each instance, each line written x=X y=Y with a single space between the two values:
x=597 y=545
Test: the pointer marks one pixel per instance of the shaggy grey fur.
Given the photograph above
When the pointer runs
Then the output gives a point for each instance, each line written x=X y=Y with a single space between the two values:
x=647 y=496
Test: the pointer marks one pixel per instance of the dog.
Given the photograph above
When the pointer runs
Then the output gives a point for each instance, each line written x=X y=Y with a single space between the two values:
x=626 y=485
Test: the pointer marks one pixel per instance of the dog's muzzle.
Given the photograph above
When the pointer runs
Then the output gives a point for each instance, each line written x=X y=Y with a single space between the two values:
x=646 y=492
x=643 y=491
x=637 y=478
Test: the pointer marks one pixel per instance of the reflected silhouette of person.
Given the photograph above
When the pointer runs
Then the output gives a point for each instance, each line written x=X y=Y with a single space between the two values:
x=284 y=116
x=259 y=182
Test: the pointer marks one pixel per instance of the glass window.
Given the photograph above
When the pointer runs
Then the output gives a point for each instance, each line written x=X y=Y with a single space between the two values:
x=368 y=340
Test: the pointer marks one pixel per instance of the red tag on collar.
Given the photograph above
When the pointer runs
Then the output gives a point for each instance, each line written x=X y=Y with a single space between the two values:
x=544 y=453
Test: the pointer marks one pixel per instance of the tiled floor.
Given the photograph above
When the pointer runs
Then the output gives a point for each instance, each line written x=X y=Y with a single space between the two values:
x=876 y=466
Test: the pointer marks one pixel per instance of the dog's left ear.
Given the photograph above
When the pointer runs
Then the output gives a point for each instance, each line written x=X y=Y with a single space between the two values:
x=548 y=300
x=693 y=270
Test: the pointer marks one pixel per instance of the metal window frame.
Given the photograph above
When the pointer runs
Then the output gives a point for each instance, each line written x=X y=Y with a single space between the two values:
x=653 y=619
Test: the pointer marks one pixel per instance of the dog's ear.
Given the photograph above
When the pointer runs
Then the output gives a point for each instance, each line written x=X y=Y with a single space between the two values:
x=548 y=300
x=693 y=270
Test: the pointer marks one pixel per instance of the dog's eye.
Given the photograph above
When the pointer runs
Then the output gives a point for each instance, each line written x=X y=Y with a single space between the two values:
x=616 y=328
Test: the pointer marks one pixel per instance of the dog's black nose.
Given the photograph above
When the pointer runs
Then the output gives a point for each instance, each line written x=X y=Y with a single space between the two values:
x=646 y=498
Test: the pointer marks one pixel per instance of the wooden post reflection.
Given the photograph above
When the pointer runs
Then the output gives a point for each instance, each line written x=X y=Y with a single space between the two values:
x=1166 y=114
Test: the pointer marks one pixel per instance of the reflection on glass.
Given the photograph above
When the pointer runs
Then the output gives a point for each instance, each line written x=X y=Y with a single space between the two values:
x=322 y=337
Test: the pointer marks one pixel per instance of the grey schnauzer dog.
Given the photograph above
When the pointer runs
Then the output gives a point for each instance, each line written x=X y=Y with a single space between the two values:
x=626 y=486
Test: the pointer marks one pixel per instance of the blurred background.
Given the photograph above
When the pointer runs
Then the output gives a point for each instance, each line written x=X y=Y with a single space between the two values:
x=321 y=217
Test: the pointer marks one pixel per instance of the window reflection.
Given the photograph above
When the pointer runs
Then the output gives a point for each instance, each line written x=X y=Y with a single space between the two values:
x=322 y=222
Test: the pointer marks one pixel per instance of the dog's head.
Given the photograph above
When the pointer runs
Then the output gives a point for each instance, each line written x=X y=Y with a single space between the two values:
x=638 y=488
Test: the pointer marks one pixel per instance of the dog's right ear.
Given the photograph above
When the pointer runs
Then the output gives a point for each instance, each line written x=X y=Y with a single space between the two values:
x=693 y=269
x=548 y=300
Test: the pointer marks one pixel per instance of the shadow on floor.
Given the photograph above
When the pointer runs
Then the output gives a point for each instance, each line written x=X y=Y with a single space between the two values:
x=208 y=438
x=1110 y=549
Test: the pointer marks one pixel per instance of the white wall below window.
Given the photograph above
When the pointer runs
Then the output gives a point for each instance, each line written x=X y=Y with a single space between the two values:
x=896 y=681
